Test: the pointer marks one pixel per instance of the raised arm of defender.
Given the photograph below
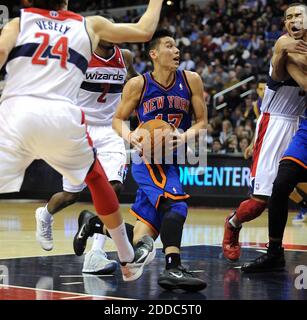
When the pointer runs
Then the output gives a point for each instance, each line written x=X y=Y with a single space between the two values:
x=142 y=31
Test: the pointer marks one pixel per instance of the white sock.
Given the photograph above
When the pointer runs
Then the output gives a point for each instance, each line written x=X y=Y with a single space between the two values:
x=231 y=221
x=124 y=248
x=99 y=241
x=46 y=215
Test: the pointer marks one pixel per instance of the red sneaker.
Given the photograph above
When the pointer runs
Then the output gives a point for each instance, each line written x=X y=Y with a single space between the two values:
x=231 y=246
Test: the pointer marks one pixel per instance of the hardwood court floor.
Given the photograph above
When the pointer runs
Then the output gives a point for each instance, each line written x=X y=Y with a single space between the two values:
x=28 y=272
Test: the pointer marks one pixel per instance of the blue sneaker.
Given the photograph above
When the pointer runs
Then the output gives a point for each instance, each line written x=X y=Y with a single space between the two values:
x=301 y=216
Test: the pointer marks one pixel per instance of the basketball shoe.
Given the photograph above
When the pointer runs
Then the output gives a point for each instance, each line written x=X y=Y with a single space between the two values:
x=85 y=231
x=145 y=252
x=180 y=278
x=44 y=229
x=301 y=216
x=97 y=262
x=231 y=246
x=268 y=262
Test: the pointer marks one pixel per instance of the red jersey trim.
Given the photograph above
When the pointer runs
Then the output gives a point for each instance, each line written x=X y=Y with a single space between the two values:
x=116 y=61
x=60 y=15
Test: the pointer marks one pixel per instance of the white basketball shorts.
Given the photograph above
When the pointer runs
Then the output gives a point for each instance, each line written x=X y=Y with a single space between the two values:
x=110 y=152
x=272 y=137
x=34 y=128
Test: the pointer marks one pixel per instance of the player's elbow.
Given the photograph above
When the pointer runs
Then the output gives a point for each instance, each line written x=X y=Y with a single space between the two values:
x=147 y=35
x=203 y=124
x=145 y=32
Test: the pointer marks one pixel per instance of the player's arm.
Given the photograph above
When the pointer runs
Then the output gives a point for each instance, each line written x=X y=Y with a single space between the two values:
x=283 y=46
x=128 y=57
x=198 y=104
x=297 y=68
x=141 y=31
x=130 y=99
x=8 y=39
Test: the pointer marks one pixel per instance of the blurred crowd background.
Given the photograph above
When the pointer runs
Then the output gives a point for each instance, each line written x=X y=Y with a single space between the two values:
x=225 y=42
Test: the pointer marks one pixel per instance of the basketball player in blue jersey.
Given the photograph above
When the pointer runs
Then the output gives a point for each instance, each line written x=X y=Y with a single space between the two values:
x=98 y=99
x=47 y=51
x=160 y=205
x=292 y=171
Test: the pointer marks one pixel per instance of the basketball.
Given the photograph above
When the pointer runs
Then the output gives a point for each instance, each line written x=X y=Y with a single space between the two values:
x=154 y=135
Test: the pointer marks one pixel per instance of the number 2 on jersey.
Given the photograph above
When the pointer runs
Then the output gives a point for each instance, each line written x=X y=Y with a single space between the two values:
x=105 y=89
x=60 y=49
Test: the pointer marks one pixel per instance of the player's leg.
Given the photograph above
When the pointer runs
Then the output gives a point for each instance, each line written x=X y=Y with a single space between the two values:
x=175 y=276
x=273 y=135
x=289 y=174
x=248 y=210
x=72 y=156
x=111 y=154
x=96 y=260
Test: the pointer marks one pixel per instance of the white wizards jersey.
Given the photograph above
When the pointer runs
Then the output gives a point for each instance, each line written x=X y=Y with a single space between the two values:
x=283 y=98
x=50 y=57
x=100 y=92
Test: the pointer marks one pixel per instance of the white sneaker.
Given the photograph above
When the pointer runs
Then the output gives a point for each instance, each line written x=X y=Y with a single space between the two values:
x=97 y=262
x=145 y=252
x=43 y=230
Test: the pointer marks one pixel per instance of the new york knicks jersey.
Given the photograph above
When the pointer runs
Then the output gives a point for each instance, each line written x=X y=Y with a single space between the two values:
x=297 y=150
x=171 y=104
x=283 y=98
x=50 y=57
x=101 y=90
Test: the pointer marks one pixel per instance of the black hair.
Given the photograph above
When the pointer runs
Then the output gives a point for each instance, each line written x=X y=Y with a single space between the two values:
x=48 y=4
x=155 y=40
x=295 y=4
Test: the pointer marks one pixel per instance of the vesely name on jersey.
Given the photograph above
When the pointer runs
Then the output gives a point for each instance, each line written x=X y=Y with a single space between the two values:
x=104 y=76
x=51 y=25
x=157 y=103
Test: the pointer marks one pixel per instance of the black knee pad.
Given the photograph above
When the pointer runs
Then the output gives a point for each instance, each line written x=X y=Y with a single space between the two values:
x=171 y=229
x=285 y=181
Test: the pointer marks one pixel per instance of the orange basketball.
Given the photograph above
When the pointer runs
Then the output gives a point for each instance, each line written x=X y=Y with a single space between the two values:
x=154 y=134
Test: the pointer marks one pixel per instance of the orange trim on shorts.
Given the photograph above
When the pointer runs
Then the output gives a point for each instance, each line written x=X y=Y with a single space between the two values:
x=144 y=221
x=153 y=177
x=171 y=196
x=295 y=160
x=174 y=197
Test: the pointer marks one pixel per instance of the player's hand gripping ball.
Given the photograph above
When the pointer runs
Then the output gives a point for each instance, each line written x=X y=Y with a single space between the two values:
x=156 y=136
